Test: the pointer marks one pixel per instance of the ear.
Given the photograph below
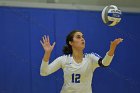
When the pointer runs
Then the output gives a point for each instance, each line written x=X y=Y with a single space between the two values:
x=70 y=42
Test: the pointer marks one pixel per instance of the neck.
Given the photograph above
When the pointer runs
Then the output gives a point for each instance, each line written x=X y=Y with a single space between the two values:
x=77 y=55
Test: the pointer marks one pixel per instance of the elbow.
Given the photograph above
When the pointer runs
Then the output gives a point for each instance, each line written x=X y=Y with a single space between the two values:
x=43 y=74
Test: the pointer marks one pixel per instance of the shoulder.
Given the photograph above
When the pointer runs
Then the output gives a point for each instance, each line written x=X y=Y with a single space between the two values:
x=63 y=58
x=92 y=57
x=92 y=54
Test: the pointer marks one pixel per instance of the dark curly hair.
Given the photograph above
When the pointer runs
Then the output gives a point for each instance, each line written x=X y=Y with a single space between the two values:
x=67 y=49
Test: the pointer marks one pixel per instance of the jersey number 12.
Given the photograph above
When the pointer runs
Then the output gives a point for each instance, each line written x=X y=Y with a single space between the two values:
x=76 y=78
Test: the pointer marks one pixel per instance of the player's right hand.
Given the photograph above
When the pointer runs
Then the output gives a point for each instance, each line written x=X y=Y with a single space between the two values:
x=45 y=42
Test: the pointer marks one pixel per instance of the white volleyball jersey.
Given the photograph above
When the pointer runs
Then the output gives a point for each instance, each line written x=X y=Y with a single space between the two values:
x=77 y=76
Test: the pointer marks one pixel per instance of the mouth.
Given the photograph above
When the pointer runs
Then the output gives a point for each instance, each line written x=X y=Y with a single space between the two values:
x=83 y=42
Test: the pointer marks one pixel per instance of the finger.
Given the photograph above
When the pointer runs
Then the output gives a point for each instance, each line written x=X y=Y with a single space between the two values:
x=120 y=40
x=43 y=39
x=115 y=40
x=53 y=44
x=41 y=42
x=48 y=39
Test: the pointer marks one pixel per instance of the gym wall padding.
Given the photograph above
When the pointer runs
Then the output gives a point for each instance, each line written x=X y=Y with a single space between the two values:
x=14 y=52
x=21 y=52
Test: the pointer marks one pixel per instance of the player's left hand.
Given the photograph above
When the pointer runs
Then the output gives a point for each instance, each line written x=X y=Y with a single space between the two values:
x=115 y=42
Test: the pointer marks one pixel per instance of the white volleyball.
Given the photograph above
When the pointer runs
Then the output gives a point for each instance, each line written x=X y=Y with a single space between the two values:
x=111 y=15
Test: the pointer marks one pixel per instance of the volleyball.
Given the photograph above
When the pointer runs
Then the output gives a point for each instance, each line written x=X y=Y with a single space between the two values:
x=111 y=15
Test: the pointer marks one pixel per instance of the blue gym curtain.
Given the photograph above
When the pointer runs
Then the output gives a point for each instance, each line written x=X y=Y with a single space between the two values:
x=21 y=52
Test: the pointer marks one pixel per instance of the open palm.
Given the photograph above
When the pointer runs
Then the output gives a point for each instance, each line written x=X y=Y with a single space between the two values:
x=45 y=42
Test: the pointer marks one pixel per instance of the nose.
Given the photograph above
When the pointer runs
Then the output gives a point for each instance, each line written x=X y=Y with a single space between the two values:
x=83 y=39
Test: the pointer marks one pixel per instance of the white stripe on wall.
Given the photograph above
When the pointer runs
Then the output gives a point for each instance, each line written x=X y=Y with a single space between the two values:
x=63 y=6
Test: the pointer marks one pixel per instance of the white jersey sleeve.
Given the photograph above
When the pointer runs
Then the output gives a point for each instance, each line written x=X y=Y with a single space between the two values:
x=46 y=68
x=107 y=60
x=95 y=58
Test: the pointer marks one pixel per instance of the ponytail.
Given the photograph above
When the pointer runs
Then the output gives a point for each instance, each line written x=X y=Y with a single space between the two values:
x=67 y=50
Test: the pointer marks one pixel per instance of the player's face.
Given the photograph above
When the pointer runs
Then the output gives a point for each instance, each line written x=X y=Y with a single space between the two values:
x=78 y=41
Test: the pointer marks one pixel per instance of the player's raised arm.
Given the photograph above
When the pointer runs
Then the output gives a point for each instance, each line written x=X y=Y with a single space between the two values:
x=108 y=58
x=45 y=42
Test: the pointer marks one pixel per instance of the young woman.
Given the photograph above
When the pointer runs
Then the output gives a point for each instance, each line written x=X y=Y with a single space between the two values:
x=78 y=67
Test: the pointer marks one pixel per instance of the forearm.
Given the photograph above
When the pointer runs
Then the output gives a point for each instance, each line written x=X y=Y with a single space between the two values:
x=47 y=68
x=44 y=64
x=44 y=68
x=46 y=57
x=109 y=56
x=111 y=51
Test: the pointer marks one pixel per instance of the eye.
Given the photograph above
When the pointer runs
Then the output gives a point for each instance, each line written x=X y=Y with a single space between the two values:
x=78 y=36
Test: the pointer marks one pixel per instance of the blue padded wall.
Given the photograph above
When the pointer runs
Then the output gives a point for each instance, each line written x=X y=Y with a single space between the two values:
x=15 y=52
x=21 y=52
